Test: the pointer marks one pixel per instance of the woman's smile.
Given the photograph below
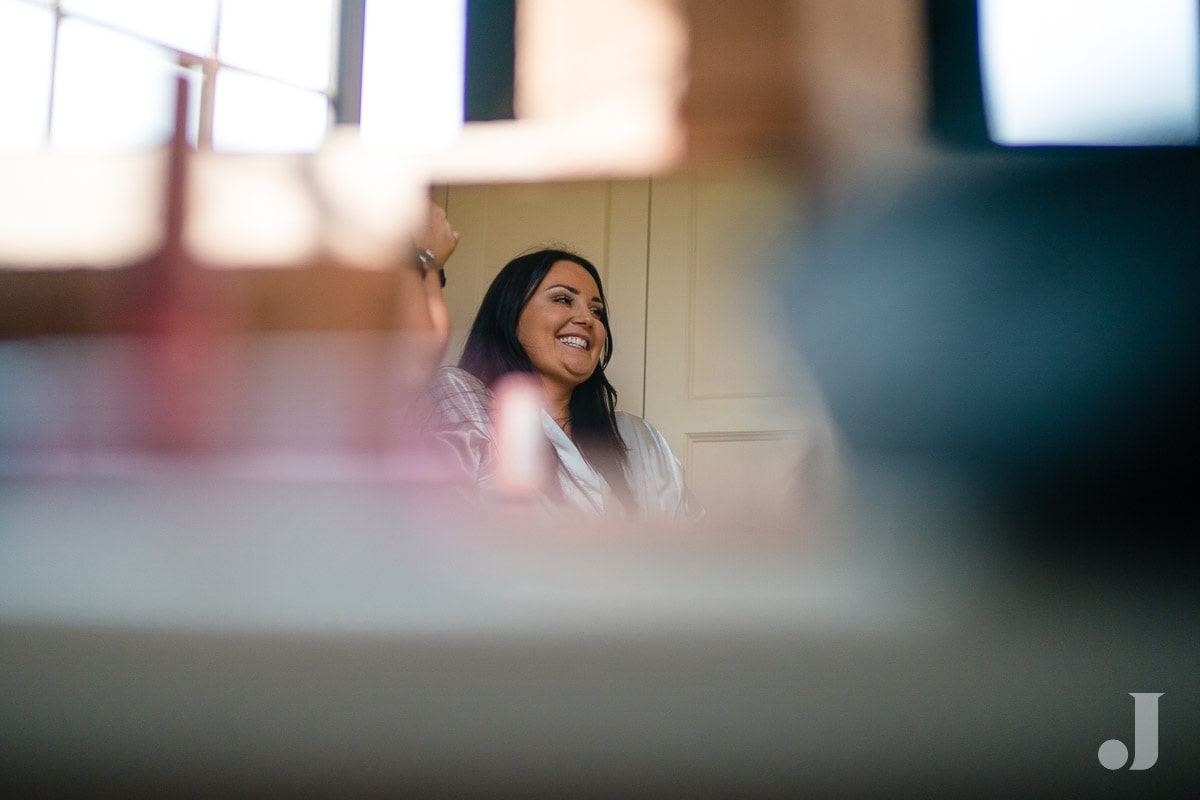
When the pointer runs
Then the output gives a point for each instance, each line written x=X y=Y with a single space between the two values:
x=574 y=341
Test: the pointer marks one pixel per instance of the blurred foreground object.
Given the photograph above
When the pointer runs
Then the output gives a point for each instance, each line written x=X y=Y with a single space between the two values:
x=609 y=89
x=201 y=303
x=203 y=634
x=214 y=636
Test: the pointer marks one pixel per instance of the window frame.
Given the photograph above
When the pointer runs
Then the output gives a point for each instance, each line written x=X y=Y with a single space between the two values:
x=342 y=92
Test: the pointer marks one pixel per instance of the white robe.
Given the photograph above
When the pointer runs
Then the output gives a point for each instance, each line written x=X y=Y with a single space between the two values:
x=460 y=421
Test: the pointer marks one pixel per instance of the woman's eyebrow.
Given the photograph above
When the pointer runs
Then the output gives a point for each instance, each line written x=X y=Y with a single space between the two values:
x=570 y=289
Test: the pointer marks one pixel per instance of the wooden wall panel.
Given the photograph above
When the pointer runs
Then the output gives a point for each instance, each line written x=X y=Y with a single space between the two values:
x=739 y=343
x=723 y=383
x=747 y=473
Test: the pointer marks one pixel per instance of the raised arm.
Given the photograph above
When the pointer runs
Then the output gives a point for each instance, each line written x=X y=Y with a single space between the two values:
x=421 y=308
x=435 y=241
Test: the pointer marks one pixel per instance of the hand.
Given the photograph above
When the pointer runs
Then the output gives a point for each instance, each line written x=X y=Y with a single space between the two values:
x=436 y=234
x=422 y=315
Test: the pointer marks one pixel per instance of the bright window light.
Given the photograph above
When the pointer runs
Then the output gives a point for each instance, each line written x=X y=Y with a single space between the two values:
x=26 y=38
x=1104 y=72
x=99 y=76
x=117 y=59
x=254 y=115
x=184 y=24
x=413 y=73
x=291 y=40
x=112 y=92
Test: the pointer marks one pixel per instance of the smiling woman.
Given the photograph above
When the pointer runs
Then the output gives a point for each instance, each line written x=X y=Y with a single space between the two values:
x=563 y=331
x=544 y=316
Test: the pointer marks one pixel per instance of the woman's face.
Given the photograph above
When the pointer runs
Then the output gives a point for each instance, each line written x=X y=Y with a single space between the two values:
x=561 y=328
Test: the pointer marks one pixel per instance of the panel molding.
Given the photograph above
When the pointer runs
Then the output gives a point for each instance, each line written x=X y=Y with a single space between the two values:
x=693 y=438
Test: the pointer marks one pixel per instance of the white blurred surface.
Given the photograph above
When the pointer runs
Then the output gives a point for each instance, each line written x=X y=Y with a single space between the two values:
x=182 y=633
x=1105 y=72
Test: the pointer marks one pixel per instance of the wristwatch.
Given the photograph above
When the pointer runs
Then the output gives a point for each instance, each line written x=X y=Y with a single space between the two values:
x=429 y=261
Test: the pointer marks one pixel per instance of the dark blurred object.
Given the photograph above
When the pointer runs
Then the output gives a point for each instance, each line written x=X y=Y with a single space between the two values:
x=490 y=60
x=352 y=18
x=955 y=107
x=1028 y=323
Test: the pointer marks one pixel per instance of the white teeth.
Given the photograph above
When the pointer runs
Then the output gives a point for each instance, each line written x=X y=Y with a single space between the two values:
x=574 y=341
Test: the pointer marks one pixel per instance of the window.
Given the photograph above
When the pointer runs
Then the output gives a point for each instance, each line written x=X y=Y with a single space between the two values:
x=1109 y=72
x=265 y=75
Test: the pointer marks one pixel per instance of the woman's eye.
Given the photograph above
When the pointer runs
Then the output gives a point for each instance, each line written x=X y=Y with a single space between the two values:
x=599 y=312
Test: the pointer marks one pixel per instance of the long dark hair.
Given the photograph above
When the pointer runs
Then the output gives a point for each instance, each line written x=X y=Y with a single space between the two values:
x=493 y=350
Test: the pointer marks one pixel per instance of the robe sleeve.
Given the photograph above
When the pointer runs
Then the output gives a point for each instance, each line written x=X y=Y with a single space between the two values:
x=655 y=474
x=458 y=422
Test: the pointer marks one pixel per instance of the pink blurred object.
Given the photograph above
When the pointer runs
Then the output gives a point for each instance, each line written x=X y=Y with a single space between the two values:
x=522 y=450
